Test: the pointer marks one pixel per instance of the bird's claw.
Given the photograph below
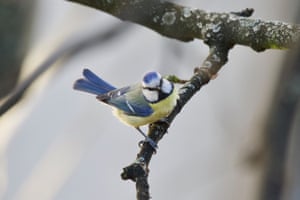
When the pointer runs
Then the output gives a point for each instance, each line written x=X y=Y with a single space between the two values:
x=151 y=143
x=147 y=140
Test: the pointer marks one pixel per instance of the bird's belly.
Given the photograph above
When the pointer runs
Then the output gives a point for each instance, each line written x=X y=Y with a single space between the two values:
x=140 y=121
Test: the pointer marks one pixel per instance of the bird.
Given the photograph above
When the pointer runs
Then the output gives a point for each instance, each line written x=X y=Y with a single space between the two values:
x=135 y=105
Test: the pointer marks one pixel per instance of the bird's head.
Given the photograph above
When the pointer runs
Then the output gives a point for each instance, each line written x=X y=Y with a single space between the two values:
x=155 y=87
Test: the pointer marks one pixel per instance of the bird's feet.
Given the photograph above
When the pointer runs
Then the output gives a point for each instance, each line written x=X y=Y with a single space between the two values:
x=150 y=141
x=147 y=140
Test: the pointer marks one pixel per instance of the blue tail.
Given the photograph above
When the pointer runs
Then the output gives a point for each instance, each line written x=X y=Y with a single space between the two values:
x=92 y=84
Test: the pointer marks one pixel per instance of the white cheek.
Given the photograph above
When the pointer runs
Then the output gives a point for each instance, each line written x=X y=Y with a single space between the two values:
x=166 y=86
x=150 y=96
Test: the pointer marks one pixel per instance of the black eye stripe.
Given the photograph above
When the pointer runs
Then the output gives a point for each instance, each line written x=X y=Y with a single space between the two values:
x=152 y=89
x=161 y=94
x=160 y=83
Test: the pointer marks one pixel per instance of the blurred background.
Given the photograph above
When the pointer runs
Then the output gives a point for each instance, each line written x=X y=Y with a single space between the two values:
x=237 y=139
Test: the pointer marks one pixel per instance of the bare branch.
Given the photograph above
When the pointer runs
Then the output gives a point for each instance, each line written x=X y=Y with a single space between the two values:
x=220 y=31
x=216 y=59
x=185 y=24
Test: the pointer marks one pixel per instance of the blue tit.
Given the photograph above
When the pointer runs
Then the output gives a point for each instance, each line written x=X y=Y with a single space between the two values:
x=136 y=105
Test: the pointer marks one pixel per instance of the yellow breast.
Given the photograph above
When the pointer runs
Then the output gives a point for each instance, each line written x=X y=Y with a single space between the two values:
x=161 y=109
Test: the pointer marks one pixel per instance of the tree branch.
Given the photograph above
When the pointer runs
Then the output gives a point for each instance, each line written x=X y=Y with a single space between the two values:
x=220 y=31
x=185 y=24
x=138 y=171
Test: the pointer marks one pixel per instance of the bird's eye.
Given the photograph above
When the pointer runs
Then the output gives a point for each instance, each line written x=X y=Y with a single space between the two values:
x=152 y=89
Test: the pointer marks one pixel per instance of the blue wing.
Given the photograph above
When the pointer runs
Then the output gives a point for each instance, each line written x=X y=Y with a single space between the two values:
x=128 y=99
x=92 y=84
